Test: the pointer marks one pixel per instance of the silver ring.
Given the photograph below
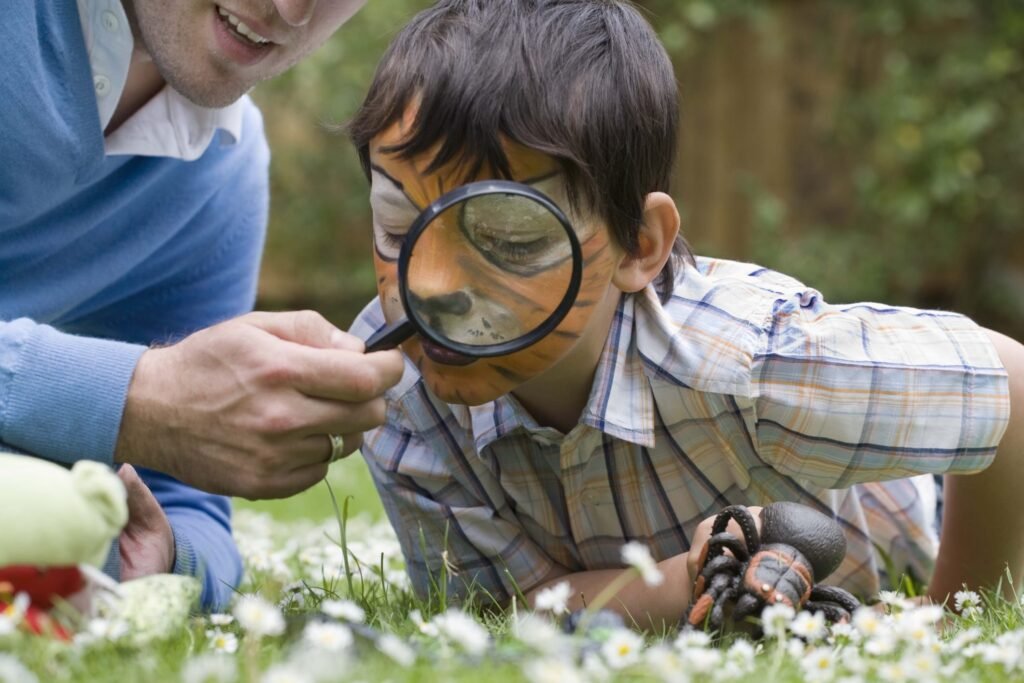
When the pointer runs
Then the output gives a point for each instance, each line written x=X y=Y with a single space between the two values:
x=337 y=447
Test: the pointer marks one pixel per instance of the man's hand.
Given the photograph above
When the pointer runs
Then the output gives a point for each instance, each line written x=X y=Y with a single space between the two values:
x=703 y=534
x=147 y=542
x=245 y=408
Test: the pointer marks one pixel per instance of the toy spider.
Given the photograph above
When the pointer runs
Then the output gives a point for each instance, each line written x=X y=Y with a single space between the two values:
x=797 y=547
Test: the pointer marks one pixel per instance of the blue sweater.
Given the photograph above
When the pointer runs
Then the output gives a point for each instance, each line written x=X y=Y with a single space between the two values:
x=101 y=256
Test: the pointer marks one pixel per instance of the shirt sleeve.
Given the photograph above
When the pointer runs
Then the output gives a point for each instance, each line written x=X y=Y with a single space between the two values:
x=204 y=547
x=456 y=544
x=79 y=421
x=866 y=392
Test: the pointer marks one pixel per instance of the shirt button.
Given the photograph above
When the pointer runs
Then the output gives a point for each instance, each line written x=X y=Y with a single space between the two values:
x=102 y=85
x=110 y=21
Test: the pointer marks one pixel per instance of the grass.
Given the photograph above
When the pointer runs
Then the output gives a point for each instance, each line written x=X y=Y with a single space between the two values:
x=303 y=551
x=348 y=478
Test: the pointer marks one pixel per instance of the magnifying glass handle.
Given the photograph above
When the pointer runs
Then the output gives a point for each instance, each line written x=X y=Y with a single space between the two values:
x=390 y=336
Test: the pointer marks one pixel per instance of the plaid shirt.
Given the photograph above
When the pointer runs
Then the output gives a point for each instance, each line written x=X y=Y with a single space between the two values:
x=745 y=388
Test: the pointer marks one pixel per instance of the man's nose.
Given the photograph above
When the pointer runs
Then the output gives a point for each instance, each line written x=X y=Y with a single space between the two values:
x=296 y=12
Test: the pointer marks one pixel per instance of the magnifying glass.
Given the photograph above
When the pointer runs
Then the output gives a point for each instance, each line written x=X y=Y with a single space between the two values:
x=486 y=270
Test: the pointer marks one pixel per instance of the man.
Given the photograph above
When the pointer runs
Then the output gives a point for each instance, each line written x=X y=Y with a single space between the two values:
x=133 y=205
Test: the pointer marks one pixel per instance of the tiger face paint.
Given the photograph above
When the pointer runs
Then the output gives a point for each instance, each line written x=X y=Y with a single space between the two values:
x=467 y=297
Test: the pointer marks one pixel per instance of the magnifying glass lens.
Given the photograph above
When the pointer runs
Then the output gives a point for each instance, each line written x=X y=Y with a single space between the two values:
x=489 y=271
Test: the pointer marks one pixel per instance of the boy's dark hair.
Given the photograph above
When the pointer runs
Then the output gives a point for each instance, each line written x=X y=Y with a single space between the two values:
x=584 y=81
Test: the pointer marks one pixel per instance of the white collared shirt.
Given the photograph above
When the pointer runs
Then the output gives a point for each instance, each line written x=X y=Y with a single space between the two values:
x=169 y=125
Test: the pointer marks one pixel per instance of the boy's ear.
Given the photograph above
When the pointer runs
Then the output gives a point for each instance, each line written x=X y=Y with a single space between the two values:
x=654 y=244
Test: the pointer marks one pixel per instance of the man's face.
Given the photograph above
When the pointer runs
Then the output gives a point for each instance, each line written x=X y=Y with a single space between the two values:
x=399 y=191
x=213 y=52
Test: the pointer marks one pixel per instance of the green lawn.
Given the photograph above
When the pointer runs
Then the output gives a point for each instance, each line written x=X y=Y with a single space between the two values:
x=347 y=477
x=340 y=611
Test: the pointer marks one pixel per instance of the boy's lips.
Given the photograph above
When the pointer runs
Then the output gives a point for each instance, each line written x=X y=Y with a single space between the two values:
x=445 y=356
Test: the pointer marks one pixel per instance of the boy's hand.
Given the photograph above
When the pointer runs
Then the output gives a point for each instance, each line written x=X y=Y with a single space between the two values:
x=147 y=542
x=703 y=535
x=246 y=407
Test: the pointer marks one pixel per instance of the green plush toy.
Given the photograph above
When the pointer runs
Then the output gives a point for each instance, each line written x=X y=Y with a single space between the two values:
x=58 y=528
x=55 y=517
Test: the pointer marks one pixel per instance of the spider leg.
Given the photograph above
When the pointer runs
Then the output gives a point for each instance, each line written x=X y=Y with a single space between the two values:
x=721 y=564
x=745 y=521
x=720 y=541
x=833 y=612
x=718 y=611
x=747 y=604
x=709 y=601
x=837 y=595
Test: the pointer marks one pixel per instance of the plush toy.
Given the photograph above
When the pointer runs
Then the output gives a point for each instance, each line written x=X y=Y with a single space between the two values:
x=57 y=529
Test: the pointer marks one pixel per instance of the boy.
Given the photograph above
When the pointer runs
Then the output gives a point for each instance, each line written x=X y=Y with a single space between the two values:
x=675 y=386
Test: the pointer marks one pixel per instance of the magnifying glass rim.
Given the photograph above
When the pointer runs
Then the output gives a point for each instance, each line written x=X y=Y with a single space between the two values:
x=447 y=201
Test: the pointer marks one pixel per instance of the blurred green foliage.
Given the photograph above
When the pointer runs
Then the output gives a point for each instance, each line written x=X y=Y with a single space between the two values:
x=927 y=134
x=319 y=245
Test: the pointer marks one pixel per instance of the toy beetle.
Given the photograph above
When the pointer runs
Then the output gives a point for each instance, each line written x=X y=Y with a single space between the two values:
x=797 y=547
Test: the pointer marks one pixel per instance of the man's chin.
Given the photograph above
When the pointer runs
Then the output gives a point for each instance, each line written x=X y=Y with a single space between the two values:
x=209 y=97
x=204 y=90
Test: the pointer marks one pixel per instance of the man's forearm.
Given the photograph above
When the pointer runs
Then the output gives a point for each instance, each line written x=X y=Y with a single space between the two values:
x=650 y=607
x=983 y=519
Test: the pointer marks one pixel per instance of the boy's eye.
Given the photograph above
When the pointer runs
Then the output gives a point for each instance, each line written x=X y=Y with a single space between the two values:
x=393 y=240
x=388 y=244
x=511 y=252
x=516 y=235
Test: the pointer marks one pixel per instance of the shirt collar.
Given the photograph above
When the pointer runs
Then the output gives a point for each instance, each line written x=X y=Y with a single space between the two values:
x=652 y=350
x=169 y=125
x=620 y=402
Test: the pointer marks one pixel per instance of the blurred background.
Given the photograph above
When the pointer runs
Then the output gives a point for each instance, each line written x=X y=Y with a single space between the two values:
x=872 y=149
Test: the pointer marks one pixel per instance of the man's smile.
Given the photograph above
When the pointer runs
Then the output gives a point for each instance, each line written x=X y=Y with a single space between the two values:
x=242 y=40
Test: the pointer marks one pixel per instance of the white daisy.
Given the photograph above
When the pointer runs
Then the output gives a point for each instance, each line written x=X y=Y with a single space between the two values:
x=666 y=662
x=692 y=639
x=209 y=668
x=396 y=648
x=867 y=621
x=427 y=628
x=819 y=664
x=702 y=660
x=221 y=641
x=110 y=630
x=810 y=627
x=285 y=673
x=328 y=636
x=343 y=609
x=894 y=600
x=622 y=648
x=13 y=671
x=538 y=633
x=775 y=619
x=554 y=599
x=258 y=617
x=463 y=631
x=968 y=604
x=552 y=671
x=638 y=556
x=894 y=672
x=221 y=619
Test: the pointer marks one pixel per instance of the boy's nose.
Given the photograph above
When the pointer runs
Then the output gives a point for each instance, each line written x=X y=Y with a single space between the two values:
x=455 y=303
x=295 y=12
